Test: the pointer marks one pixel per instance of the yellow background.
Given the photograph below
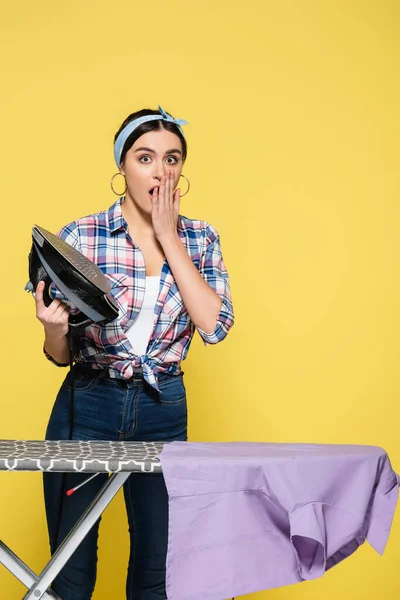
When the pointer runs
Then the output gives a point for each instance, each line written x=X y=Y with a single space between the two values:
x=293 y=156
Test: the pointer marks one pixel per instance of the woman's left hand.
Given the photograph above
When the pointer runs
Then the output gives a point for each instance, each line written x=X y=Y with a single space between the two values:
x=165 y=210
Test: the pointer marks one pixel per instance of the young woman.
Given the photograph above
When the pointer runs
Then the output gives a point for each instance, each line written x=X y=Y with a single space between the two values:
x=168 y=276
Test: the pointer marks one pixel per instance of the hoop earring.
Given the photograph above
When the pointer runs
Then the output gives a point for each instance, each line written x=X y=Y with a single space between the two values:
x=112 y=181
x=188 y=182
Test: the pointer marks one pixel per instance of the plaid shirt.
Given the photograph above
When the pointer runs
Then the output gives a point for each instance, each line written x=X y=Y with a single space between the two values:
x=104 y=239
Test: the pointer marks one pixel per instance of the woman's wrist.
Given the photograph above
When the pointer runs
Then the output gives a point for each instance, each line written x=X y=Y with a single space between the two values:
x=56 y=346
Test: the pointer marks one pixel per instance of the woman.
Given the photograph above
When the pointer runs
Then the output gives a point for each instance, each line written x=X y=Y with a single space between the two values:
x=168 y=276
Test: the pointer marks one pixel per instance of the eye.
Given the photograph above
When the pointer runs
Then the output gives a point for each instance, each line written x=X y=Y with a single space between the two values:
x=141 y=159
x=171 y=160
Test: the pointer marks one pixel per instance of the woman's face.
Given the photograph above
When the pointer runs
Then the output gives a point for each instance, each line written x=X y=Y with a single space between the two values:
x=150 y=157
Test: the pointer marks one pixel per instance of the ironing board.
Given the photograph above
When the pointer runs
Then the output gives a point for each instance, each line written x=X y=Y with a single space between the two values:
x=119 y=459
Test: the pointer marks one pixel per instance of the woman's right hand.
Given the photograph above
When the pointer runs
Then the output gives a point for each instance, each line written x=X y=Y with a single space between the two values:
x=54 y=317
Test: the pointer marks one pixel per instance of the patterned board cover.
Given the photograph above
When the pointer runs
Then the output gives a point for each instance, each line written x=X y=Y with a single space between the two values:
x=80 y=456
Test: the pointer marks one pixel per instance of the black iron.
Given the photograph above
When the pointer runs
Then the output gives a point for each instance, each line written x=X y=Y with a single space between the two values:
x=82 y=283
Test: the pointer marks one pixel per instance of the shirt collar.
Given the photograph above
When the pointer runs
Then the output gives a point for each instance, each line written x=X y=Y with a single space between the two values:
x=115 y=219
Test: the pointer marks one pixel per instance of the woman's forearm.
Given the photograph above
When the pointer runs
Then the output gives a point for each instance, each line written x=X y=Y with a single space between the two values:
x=57 y=347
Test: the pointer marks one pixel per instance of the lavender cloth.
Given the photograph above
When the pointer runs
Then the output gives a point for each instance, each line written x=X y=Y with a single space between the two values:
x=244 y=517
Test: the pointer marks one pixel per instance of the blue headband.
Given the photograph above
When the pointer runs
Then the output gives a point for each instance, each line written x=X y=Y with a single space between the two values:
x=126 y=132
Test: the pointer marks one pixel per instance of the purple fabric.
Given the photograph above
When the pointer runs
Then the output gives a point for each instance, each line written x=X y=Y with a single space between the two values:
x=244 y=517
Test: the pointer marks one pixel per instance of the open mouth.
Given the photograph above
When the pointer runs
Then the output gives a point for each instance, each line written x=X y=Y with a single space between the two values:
x=151 y=192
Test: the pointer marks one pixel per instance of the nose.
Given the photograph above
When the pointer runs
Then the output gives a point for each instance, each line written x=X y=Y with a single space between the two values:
x=159 y=170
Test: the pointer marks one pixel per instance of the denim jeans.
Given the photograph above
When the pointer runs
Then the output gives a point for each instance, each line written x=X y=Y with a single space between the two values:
x=110 y=409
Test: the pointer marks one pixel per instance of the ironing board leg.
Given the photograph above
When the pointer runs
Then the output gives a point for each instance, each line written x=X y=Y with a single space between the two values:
x=76 y=535
x=21 y=571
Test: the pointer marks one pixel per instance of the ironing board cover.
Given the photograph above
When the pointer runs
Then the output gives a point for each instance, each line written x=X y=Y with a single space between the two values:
x=80 y=456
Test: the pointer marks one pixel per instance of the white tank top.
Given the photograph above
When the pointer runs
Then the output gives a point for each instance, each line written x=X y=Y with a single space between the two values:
x=140 y=331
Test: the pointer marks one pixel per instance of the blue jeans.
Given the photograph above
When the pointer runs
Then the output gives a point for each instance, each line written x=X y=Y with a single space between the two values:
x=110 y=409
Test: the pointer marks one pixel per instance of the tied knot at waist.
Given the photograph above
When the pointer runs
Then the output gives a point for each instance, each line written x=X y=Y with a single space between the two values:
x=150 y=370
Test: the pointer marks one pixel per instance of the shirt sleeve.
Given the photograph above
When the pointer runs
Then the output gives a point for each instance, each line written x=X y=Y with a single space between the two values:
x=212 y=268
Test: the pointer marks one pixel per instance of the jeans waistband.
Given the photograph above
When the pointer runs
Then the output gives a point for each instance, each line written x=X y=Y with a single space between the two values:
x=84 y=369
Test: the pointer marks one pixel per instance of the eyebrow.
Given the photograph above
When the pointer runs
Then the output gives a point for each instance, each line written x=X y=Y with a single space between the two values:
x=172 y=151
